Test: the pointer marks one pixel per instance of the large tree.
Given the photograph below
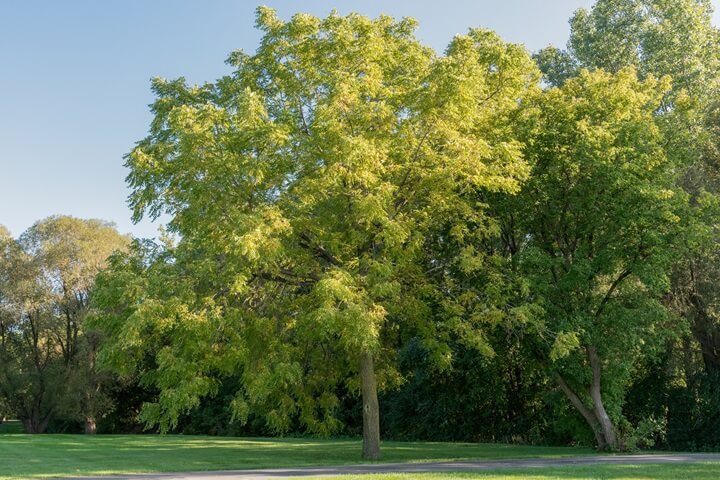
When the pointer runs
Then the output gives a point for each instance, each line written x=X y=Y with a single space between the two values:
x=308 y=182
x=593 y=231
x=675 y=38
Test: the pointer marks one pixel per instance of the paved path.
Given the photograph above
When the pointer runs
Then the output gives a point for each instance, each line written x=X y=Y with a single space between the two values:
x=459 y=466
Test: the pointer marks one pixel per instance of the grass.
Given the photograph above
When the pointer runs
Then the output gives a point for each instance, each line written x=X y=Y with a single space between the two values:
x=695 y=471
x=23 y=456
x=26 y=456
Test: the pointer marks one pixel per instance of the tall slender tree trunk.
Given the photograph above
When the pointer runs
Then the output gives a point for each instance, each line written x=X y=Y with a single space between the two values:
x=371 y=408
x=92 y=387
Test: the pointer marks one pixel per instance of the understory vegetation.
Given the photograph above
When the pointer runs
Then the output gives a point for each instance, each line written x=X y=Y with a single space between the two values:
x=369 y=238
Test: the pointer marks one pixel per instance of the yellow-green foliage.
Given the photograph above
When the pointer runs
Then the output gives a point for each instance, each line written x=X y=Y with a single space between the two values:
x=303 y=188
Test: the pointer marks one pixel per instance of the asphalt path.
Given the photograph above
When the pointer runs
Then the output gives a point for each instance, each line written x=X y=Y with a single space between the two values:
x=425 y=467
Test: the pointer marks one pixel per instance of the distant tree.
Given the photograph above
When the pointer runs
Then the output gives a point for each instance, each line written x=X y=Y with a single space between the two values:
x=658 y=37
x=303 y=188
x=31 y=378
x=6 y=245
x=49 y=357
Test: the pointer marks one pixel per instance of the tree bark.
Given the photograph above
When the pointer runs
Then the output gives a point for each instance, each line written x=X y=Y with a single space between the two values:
x=587 y=414
x=597 y=417
x=35 y=424
x=90 y=426
x=598 y=408
x=371 y=409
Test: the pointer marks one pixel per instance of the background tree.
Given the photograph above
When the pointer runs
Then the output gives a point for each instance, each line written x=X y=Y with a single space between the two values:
x=49 y=356
x=675 y=38
x=73 y=252
x=593 y=231
x=7 y=245
x=31 y=375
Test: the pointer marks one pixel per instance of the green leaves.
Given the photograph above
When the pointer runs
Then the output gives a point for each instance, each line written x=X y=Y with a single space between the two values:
x=565 y=343
x=46 y=346
x=305 y=188
x=347 y=191
x=594 y=231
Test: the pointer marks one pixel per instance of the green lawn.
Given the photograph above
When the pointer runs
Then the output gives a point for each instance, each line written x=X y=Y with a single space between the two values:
x=47 y=455
x=695 y=471
x=23 y=456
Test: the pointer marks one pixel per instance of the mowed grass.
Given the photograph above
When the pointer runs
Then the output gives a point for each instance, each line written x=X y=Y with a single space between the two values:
x=23 y=456
x=695 y=471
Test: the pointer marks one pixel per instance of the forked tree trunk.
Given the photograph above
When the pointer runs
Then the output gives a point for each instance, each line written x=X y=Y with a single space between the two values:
x=587 y=414
x=371 y=409
x=596 y=417
x=601 y=415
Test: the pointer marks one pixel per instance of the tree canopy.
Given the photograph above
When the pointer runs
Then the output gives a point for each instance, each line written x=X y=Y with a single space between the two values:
x=477 y=244
x=312 y=178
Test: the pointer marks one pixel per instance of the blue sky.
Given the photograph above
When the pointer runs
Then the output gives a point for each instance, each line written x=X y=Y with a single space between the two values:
x=74 y=77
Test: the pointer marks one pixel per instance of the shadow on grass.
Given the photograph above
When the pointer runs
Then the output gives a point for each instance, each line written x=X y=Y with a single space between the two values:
x=42 y=455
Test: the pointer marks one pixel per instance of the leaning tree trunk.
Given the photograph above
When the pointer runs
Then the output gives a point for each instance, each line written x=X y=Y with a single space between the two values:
x=587 y=414
x=601 y=415
x=371 y=409
x=596 y=417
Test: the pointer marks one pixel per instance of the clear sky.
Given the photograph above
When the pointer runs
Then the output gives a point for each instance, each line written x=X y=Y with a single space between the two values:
x=74 y=81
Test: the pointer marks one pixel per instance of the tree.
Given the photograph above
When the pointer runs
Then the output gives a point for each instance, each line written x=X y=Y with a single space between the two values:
x=307 y=182
x=658 y=37
x=6 y=246
x=49 y=356
x=675 y=38
x=593 y=231
x=30 y=376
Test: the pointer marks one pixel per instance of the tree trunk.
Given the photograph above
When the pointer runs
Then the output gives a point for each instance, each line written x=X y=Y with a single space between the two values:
x=371 y=409
x=598 y=408
x=597 y=417
x=90 y=426
x=35 y=424
x=587 y=414
x=706 y=333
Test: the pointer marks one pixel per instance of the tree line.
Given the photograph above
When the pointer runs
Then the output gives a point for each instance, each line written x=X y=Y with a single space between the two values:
x=48 y=357
x=482 y=244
